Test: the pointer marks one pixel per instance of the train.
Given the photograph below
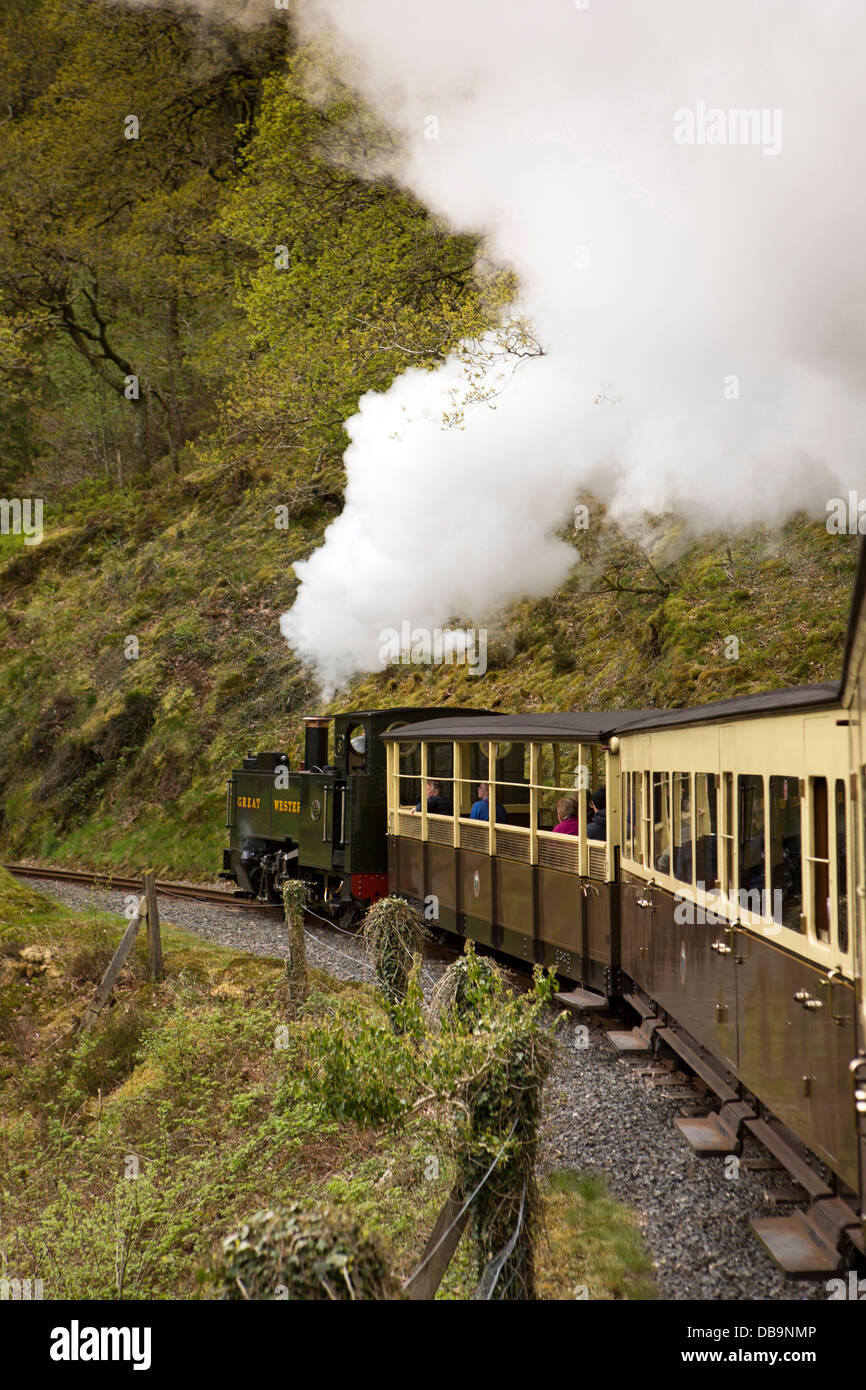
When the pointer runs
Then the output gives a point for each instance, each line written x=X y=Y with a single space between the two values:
x=721 y=912
x=323 y=821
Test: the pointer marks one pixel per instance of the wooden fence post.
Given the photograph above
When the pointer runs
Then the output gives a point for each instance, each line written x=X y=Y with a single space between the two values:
x=154 y=940
x=440 y=1248
x=106 y=984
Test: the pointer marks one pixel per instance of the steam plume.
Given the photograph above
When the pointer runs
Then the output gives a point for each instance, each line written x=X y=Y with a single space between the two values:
x=700 y=305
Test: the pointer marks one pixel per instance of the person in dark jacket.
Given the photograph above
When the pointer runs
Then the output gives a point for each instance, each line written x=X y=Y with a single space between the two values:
x=481 y=807
x=597 y=827
x=438 y=803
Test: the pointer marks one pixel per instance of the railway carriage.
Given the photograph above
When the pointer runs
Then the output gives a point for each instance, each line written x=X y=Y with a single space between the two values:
x=736 y=944
x=854 y=701
x=513 y=884
x=717 y=906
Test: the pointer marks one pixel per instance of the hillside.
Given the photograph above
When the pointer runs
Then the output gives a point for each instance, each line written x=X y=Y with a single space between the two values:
x=233 y=262
x=115 y=762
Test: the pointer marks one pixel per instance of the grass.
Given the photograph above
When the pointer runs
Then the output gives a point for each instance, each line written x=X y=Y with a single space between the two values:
x=127 y=1154
x=595 y=1248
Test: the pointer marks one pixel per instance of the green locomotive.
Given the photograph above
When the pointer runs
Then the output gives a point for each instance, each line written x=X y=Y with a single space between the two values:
x=325 y=821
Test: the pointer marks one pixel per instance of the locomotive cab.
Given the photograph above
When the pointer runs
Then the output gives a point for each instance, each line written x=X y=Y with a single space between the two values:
x=324 y=822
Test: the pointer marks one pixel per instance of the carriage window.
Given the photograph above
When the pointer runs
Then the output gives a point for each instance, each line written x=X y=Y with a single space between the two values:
x=637 y=812
x=786 y=851
x=563 y=775
x=512 y=785
x=470 y=771
x=647 y=819
x=750 y=826
x=729 y=832
x=440 y=779
x=706 y=831
x=682 y=803
x=409 y=764
x=627 y=816
x=661 y=814
x=841 y=866
x=820 y=860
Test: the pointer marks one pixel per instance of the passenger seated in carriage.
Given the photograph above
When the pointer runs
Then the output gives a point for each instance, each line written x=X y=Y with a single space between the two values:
x=481 y=807
x=597 y=827
x=567 y=808
x=437 y=803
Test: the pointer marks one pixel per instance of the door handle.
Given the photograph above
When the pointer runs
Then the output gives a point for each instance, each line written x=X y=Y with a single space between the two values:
x=807 y=1001
x=648 y=902
x=832 y=978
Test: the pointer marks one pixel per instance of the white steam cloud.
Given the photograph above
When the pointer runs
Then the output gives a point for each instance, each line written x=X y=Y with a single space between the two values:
x=700 y=305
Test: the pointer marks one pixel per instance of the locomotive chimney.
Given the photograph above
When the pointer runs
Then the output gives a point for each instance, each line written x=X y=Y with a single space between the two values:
x=316 y=742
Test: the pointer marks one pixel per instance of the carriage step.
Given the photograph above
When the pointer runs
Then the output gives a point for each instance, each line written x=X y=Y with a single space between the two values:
x=700 y=1065
x=806 y=1243
x=629 y=1042
x=583 y=1000
x=789 y=1158
x=639 y=1005
x=716 y=1133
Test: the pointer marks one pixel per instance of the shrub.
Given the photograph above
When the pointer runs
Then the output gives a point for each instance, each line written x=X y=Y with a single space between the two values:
x=312 y=1253
x=394 y=933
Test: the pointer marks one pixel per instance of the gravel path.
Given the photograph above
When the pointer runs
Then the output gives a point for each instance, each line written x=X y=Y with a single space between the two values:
x=600 y=1116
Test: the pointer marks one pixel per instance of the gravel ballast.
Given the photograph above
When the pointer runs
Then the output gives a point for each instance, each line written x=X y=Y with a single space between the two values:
x=600 y=1116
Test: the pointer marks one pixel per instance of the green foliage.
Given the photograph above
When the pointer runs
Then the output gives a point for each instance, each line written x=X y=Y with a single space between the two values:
x=359 y=1067
x=394 y=934
x=484 y=1067
x=296 y=893
x=497 y=1131
x=100 y=1060
x=594 y=1242
x=460 y=993
x=318 y=1252
x=127 y=1154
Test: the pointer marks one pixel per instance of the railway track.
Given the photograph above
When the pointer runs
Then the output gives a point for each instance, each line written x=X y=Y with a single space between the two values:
x=122 y=884
x=193 y=893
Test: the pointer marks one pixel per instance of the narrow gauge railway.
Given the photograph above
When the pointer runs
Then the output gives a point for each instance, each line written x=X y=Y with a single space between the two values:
x=721 y=899
x=120 y=884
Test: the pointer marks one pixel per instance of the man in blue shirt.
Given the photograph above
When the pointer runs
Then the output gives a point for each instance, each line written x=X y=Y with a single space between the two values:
x=481 y=808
